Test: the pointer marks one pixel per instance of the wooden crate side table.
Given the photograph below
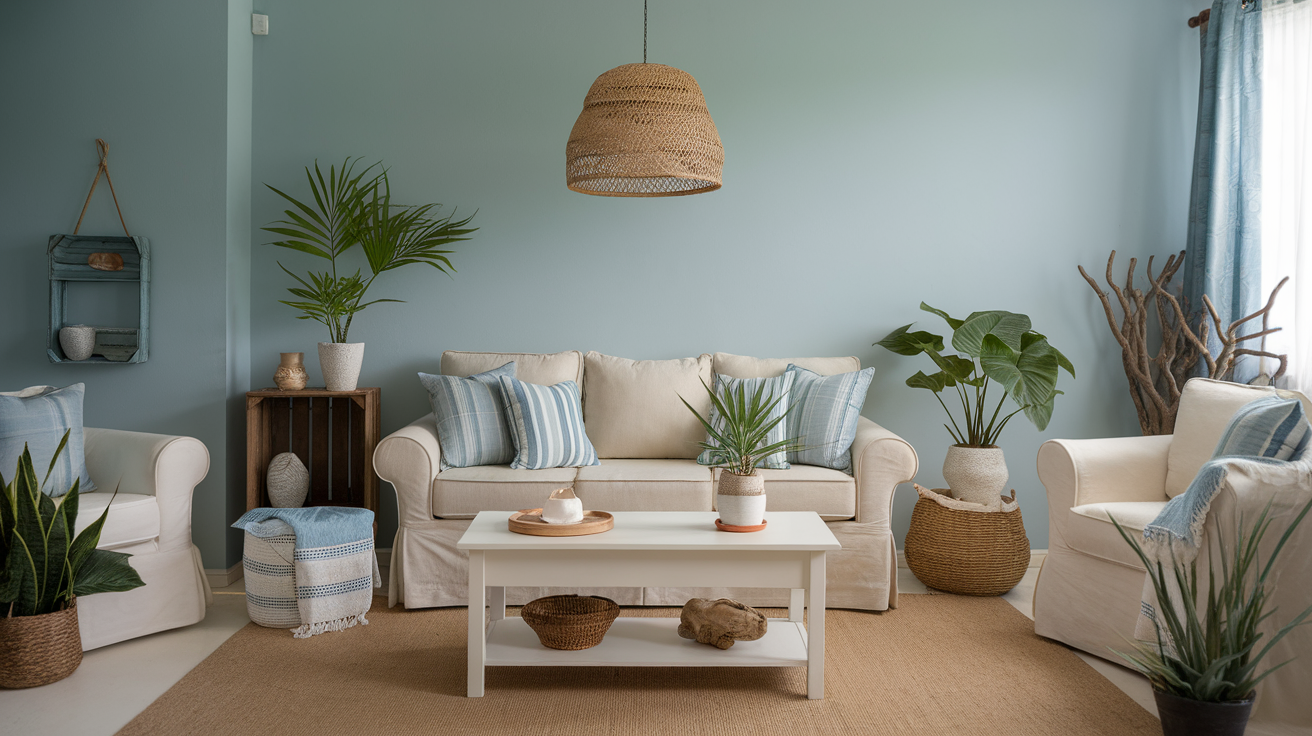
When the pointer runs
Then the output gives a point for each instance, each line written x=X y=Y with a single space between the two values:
x=333 y=432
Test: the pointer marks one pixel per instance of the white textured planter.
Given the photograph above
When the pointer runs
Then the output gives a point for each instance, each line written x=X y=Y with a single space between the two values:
x=976 y=474
x=340 y=363
x=740 y=499
x=77 y=341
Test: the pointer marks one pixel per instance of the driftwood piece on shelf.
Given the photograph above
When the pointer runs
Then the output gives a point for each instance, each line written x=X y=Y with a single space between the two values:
x=720 y=622
x=1156 y=380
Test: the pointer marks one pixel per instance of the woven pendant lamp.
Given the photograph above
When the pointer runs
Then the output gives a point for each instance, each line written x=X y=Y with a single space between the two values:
x=644 y=132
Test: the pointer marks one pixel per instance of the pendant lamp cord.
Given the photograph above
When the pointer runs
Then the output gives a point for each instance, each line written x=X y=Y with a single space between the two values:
x=644 y=31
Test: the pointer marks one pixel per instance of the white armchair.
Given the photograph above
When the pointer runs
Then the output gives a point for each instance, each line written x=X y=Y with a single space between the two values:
x=150 y=519
x=1088 y=590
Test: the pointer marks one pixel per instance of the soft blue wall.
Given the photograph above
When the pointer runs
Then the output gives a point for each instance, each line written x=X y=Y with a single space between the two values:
x=877 y=154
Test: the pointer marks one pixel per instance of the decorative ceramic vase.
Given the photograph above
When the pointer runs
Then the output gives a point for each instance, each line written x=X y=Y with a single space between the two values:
x=291 y=375
x=39 y=650
x=340 y=363
x=976 y=474
x=77 y=341
x=563 y=507
x=287 y=481
x=740 y=499
x=1184 y=717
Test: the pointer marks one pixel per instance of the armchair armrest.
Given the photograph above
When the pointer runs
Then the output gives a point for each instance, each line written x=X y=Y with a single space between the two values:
x=880 y=461
x=410 y=458
x=1076 y=472
x=167 y=467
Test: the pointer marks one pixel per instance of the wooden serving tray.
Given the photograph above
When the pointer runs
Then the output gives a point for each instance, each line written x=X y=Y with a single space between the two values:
x=529 y=521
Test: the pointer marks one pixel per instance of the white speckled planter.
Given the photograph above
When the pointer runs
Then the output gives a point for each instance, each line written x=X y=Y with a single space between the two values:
x=976 y=474
x=340 y=363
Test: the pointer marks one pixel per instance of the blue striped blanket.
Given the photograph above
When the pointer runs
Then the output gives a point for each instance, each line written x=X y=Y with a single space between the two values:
x=334 y=563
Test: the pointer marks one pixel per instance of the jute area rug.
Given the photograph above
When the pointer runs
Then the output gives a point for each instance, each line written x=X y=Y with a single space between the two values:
x=938 y=664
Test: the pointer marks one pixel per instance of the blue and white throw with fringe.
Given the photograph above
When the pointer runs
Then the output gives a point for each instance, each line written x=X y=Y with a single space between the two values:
x=334 y=563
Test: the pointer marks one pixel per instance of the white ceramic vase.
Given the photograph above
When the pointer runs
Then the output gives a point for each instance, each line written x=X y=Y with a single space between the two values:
x=340 y=363
x=563 y=507
x=976 y=474
x=740 y=499
x=77 y=341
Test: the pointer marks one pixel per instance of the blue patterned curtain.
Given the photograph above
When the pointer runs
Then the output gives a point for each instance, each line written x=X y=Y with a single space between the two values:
x=1223 y=250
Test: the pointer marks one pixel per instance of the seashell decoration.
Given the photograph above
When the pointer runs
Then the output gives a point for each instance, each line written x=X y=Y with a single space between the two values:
x=287 y=481
x=105 y=261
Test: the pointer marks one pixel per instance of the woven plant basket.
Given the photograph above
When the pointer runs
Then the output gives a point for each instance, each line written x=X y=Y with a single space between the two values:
x=570 y=622
x=39 y=650
x=966 y=552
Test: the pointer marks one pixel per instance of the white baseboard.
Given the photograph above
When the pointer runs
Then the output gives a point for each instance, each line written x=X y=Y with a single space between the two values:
x=224 y=578
x=1036 y=557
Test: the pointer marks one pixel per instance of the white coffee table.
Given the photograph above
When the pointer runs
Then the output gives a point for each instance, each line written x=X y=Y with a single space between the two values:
x=651 y=549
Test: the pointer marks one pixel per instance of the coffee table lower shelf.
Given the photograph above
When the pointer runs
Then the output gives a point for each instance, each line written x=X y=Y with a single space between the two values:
x=647 y=642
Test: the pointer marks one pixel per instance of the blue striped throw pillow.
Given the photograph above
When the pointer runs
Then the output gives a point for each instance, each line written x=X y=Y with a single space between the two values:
x=471 y=419
x=824 y=420
x=1271 y=427
x=546 y=424
x=778 y=386
x=38 y=417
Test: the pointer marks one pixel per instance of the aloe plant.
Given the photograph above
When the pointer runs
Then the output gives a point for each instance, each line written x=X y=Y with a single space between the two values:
x=45 y=566
x=995 y=346
x=355 y=209
x=740 y=440
x=1212 y=653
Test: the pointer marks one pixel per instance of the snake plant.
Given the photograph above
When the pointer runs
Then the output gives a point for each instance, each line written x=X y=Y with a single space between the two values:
x=45 y=565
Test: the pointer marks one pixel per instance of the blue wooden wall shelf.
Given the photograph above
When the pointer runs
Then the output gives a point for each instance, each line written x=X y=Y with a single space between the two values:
x=69 y=263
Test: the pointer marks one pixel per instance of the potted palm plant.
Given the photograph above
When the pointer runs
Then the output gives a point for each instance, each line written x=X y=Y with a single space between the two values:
x=737 y=438
x=46 y=568
x=1203 y=663
x=356 y=209
x=994 y=347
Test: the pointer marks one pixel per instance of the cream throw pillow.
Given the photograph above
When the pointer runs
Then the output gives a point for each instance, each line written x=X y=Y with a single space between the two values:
x=632 y=410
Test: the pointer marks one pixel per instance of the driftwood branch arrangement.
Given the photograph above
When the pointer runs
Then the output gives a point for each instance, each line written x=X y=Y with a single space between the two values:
x=1156 y=380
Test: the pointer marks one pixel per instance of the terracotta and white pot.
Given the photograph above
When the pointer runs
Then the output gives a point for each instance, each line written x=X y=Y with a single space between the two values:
x=976 y=474
x=740 y=499
x=340 y=363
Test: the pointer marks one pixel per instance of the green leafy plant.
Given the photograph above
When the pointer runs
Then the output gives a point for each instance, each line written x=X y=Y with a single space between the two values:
x=1211 y=654
x=45 y=566
x=739 y=443
x=351 y=209
x=995 y=346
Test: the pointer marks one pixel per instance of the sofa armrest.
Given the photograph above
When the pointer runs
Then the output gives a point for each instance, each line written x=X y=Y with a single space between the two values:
x=410 y=458
x=880 y=461
x=167 y=467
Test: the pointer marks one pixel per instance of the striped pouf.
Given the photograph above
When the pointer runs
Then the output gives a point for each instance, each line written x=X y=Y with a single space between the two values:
x=271 y=579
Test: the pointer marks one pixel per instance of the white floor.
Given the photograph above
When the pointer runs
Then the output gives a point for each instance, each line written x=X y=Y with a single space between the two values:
x=117 y=682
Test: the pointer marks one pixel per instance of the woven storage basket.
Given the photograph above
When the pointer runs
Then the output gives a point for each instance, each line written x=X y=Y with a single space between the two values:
x=39 y=650
x=570 y=621
x=966 y=552
x=271 y=580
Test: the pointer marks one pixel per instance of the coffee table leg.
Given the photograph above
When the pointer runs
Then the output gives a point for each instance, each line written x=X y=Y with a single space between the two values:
x=815 y=629
x=498 y=609
x=795 y=604
x=477 y=634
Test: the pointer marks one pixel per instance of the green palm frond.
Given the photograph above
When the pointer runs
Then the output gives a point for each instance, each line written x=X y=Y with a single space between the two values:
x=738 y=444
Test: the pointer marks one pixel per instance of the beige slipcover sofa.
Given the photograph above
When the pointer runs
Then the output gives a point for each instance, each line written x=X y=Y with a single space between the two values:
x=647 y=442
x=1089 y=587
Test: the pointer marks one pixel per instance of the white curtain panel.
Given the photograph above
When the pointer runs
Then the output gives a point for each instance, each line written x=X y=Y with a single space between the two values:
x=1287 y=182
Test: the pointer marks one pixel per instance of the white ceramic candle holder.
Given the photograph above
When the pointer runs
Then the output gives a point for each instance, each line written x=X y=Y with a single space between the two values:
x=563 y=507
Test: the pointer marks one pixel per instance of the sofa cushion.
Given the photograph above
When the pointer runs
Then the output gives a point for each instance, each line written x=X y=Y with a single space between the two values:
x=824 y=416
x=37 y=418
x=546 y=423
x=460 y=493
x=632 y=408
x=645 y=485
x=830 y=493
x=741 y=366
x=471 y=417
x=133 y=517
x=1090 y=528
x=544 y=369
x=1206 y=407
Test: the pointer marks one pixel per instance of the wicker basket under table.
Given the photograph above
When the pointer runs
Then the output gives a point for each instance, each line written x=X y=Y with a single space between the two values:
x=966 y=552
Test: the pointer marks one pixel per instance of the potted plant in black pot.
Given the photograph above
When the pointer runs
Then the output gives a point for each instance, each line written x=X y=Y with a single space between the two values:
x=46 y=568
x=1203 y=663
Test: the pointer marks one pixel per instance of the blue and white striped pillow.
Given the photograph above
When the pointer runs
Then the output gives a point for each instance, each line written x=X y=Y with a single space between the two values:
x=471 y=418
x=546 y=424
x=824 y=420
x=37 y=418
x=776 y=387
x=1270 y=427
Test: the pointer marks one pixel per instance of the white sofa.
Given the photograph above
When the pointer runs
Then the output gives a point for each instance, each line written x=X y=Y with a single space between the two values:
x=646 y=440
x=150 y=519
x=1088 y=590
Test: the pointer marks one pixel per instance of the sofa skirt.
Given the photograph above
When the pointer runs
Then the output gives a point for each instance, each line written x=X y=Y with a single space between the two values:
x=176 y=594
